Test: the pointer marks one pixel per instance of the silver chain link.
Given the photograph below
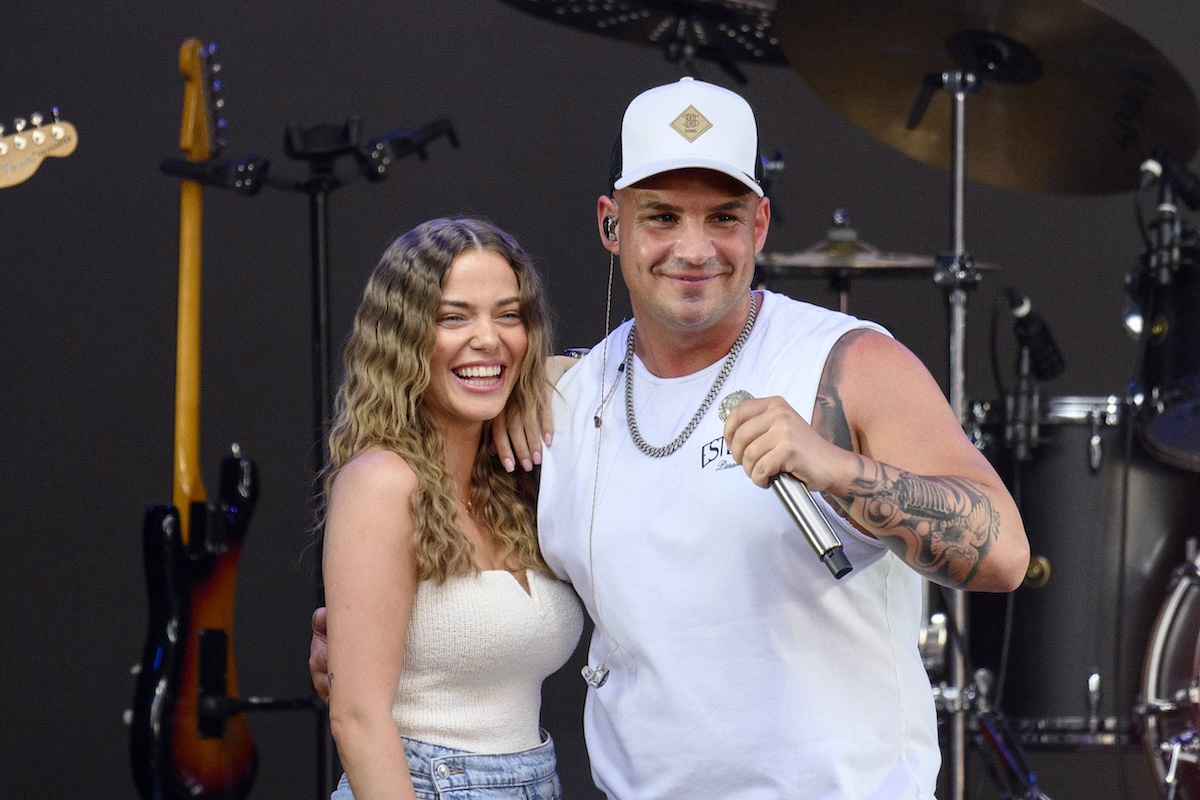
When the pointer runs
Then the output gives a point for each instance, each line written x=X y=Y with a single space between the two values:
x=726 y=368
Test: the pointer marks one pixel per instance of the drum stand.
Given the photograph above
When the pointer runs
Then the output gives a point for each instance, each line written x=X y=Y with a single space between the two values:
x=1015 y=779
x=956 y=275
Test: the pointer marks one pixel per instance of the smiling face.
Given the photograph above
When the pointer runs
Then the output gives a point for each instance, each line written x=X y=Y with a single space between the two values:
x=687 y=242
x=481 y=340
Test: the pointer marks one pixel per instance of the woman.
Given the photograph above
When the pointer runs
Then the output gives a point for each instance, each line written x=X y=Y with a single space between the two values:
x=443 y=620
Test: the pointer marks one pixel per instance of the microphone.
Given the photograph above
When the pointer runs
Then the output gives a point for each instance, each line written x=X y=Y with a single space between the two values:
x=1045 y=359
x=1152 y=170
x=1185 y=182
x=1176 y=174
x=800 y=505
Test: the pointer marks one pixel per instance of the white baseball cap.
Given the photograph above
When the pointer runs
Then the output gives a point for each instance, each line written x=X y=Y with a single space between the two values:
x=684 y=124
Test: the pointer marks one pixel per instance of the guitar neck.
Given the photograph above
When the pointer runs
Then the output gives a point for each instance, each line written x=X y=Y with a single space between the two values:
x=188 y=486
x=200 y=138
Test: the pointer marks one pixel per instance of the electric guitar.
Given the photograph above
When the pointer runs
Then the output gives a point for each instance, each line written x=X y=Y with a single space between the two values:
x=21 y=153
x=188 y=738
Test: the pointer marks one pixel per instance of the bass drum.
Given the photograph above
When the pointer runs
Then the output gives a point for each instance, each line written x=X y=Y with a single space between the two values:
x=1079 y=640
x=1171 y=687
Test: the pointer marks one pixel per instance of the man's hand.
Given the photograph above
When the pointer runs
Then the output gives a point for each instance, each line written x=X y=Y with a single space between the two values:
x=318 y=656
x=768 y=437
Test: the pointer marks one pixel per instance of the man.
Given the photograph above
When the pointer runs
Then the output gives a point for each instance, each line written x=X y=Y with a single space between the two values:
x=727 y=661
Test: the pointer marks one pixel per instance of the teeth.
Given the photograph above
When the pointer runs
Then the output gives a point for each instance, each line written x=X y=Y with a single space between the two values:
x=478 y=372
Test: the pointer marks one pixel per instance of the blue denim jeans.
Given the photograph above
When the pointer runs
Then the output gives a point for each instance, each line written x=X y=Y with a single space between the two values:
x=442 y=773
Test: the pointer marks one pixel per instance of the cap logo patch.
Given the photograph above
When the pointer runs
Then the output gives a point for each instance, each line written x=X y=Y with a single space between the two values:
x=690 y=124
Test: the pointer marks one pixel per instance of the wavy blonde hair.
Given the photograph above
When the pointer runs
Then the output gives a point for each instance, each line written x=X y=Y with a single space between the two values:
x=386 y=373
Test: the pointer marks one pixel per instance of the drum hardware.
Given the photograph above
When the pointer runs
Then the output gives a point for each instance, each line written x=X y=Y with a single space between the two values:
x=1163 y=298
x=1010 y=766
x=1174 y=749
x=1169 y=710
x=1037 y=574
x=865 y=58
x=931 y=642
x=724 y=32
x=842 y=257
x=972 y=704
x=1093 y=702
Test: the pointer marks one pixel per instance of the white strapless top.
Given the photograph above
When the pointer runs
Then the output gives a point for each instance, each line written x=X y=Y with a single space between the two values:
x=477 y=651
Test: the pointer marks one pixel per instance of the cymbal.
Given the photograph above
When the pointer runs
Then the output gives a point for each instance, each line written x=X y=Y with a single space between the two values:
x=724 y=31
x=1070 y=100
x=846 y=259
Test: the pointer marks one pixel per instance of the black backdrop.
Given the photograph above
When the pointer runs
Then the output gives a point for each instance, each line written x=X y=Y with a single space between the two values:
x=87 y=304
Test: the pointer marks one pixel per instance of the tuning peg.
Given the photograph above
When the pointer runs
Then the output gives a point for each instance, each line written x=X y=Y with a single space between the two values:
x=127 y=717
x=57 y=130
x=136 y=669
x=38 y=136
x=19 y=141
x=3 y=145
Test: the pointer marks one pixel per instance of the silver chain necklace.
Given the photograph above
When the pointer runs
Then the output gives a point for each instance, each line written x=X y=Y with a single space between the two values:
x=726 y=367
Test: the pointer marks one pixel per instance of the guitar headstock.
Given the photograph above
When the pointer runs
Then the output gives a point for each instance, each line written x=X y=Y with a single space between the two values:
x=203 y=133
x=23 y=151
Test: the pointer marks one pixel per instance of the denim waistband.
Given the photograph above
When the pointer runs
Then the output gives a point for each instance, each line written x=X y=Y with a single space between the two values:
x=448 y=768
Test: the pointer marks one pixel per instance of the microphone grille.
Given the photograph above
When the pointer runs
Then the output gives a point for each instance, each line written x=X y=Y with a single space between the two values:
x=730 y=400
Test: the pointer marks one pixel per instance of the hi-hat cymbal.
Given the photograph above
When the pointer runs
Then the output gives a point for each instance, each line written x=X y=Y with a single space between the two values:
x=846 y=259
x=723 y=31
x=1071 y=101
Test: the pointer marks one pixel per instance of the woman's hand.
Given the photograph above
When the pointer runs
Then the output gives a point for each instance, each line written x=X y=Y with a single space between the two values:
x=518 y=435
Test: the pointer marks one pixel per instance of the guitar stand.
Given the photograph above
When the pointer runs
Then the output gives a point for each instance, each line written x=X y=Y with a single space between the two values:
x=321 y=146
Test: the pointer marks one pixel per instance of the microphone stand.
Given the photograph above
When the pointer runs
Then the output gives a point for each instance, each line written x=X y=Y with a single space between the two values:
x=321 y=147
x=1023 y=412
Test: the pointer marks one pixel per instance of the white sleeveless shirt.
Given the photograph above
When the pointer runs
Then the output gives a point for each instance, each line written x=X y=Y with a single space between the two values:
x=740 y=668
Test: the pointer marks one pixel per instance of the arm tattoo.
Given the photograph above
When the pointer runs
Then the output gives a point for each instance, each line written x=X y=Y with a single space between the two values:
x=943 y=526
x=829 y=416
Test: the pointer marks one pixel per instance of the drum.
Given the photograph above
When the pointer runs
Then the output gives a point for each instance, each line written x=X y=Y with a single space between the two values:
x=1079 y=638
x=1171 y=687
x=1170 y=417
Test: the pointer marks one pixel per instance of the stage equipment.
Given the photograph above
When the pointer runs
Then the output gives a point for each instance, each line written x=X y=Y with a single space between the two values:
x=1164 y=294
x=1070 y=100
x=841 y=257
x=23 y=151
x=1171 y=688
x=724 y=32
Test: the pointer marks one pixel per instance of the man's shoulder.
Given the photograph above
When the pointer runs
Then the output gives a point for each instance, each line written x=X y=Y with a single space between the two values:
x=787 y=316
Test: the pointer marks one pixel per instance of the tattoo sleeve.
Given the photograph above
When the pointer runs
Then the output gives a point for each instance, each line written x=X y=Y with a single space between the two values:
x=942 y=526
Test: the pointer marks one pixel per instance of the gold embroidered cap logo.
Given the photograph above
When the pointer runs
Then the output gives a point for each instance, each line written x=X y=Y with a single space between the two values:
x=690 y=123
